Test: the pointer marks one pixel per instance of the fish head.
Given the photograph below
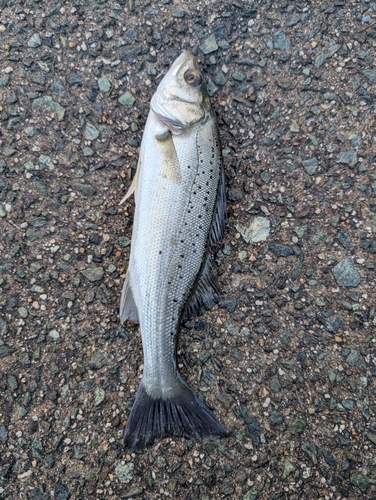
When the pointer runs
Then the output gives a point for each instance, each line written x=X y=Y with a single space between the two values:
x=181 y=99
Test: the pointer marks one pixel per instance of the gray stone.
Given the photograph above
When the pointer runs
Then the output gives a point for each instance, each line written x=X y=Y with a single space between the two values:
x=334 y=325
x=286 y=337
x=23 y=312
x=130 y=53
x=372 y=437
x=355 y=140
x=344 y=238
x=349 y=404
x=328 y=53
x=238 y=76
x=310 y=166
x=301 y=230
x=4 y=349
x=99 y=396
x=209 y=45
x=280 y=250
x=235 y=194
x=346 y=273
x=34 y=41
x=362 y=482
x=127 y=99
x=280 y=41
x=124 y=472
x=276 y=418
x=211 y=87
x=91 y=133
x=85 y=189
x=253 y=425
x=134 y=492
x=310 y=448
x=48 y=101
x=4 y=80
x=104 y=84
x=219 y=77
x=97 y=361
x=229 y=304
x=93 y=273
x=3 y=434
x=297 y=427
x=54 y=334
x=87 y=152
x=12 y=382
x=179 y=13
x=3 y=212
x=288 y=468
x=349 y=158
x=29 y=131
x=370 y=74
x=124 y=241
x=252 y=494
x=275 y=385
x=58 y=88
x=258 y=230
x=353 y=357
x=61 y=492
x=330 y=96
x=46 y=160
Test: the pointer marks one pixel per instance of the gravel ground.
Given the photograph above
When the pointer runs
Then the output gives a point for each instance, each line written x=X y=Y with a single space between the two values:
x=288 y=358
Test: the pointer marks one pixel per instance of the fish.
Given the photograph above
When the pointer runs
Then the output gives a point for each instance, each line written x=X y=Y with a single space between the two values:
x=180 y=212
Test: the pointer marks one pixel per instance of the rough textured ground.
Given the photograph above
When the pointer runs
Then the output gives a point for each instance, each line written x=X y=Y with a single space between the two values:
x=287 y=359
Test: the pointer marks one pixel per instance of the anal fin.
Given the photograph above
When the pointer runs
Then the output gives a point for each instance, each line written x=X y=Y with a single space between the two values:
x=128 y=308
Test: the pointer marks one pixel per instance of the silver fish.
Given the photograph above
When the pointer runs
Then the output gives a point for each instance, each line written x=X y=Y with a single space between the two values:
x=180 y=211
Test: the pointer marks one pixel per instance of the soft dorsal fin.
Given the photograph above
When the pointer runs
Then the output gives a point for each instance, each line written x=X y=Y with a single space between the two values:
x=218 y=227
x=133 y=188
x=206 y=292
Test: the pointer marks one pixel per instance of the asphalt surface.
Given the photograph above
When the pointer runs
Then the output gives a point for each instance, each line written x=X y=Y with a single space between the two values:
x=287 y=359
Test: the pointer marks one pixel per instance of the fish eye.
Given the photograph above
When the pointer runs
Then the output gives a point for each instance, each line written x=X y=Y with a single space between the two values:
x=193 y=78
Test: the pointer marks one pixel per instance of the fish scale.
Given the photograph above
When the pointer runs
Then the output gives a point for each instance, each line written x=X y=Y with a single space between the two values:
x=178 y=208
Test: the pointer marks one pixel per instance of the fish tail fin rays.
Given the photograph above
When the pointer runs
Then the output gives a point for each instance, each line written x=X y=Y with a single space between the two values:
x=183 y=415
x=128 y=308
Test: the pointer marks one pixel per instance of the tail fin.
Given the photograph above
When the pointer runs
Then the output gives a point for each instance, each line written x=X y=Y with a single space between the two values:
x=182 y=415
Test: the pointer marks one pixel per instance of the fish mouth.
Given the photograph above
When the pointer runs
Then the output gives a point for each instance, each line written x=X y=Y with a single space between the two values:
x=182 y=60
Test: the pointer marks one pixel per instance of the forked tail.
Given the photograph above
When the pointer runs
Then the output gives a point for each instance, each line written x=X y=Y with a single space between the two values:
x=183 y=415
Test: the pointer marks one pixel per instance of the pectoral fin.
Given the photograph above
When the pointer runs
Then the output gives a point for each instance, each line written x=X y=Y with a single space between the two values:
x=169 y=158
x=133 y=188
